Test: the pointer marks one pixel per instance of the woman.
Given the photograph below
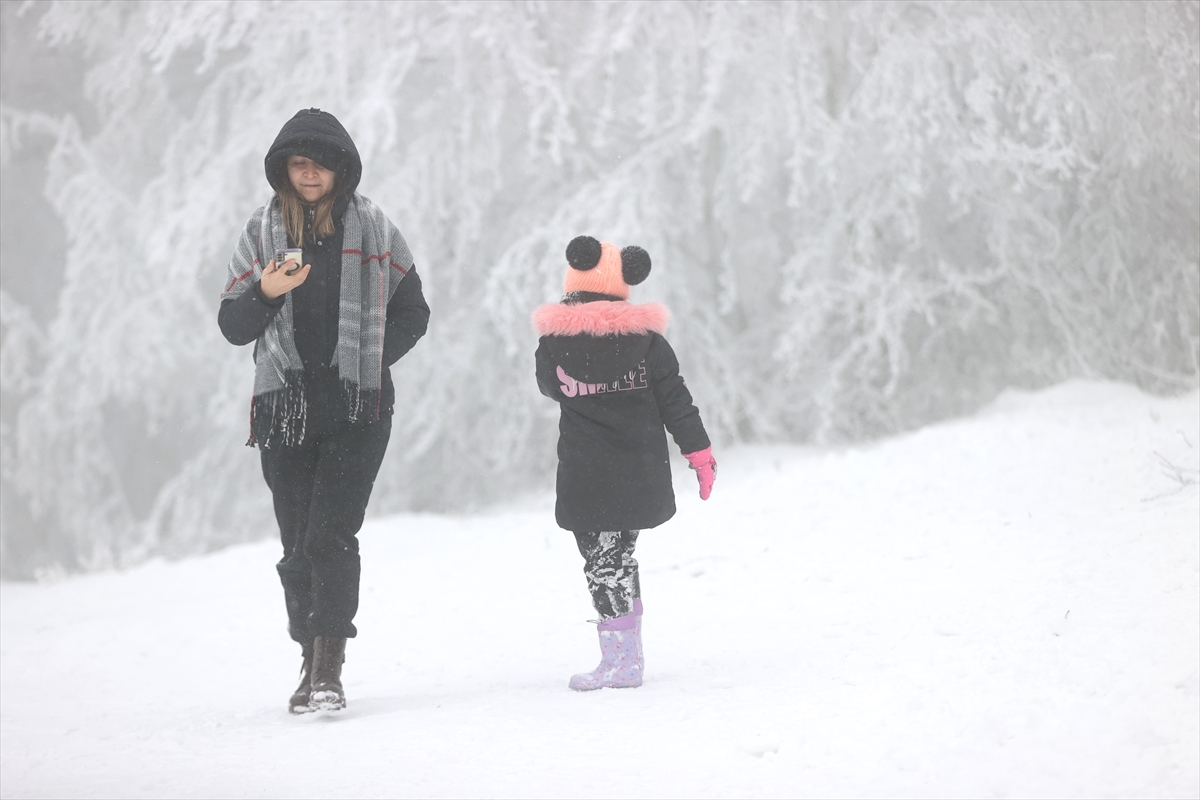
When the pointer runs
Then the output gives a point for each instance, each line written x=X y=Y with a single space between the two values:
x=325 y=335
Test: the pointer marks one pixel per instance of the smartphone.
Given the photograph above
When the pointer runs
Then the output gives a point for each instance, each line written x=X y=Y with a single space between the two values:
x=293 y=253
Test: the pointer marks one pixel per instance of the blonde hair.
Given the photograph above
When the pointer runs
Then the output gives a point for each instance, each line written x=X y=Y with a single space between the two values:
x=291 y=206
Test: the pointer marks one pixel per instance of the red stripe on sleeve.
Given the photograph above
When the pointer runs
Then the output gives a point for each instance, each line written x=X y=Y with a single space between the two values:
x=240 y=278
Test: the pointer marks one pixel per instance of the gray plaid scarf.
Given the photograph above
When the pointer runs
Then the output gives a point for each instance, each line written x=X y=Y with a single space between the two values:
x=375 y=258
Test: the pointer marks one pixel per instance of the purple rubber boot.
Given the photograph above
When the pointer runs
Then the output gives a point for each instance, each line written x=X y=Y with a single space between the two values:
x=637 y=618
x=621 y=660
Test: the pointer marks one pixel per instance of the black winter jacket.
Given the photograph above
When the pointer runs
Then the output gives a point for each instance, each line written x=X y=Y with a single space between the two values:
x=617 y=383
x=321 y=137
x=316 y=326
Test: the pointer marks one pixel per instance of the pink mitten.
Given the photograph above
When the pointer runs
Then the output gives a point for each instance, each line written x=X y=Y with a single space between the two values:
x=706 y=469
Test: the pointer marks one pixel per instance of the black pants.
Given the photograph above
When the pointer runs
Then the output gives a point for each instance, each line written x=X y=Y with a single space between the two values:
x=320 y=489
x=611 y=570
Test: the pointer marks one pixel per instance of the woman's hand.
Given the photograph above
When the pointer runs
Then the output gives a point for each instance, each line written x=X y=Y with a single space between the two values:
x=275 y=280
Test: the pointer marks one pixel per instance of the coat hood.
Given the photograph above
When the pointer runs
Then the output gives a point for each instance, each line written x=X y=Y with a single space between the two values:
x=601 y=341
x=601 y=318
x=318 y=135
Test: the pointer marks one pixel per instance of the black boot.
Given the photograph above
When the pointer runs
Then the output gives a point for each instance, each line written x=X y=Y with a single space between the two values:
x=328 y=655
x=299 y=702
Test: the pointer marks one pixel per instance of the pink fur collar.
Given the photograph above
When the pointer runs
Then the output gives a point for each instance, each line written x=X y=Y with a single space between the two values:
x=600 y=318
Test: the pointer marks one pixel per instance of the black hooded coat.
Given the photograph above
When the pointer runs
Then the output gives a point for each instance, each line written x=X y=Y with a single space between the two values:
x=319 y=136
x=617 y=383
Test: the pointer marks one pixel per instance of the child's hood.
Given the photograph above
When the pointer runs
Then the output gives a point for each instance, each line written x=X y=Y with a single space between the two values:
x=601 y=341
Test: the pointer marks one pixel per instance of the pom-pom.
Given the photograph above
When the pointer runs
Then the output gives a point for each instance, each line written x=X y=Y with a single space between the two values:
x=635 y=265
x=583 y=253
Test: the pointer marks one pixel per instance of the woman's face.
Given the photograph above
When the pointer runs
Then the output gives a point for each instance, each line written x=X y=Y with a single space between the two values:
x=310 y=180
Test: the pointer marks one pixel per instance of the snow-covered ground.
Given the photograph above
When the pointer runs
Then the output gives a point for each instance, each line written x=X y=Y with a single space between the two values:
x=1005 y=605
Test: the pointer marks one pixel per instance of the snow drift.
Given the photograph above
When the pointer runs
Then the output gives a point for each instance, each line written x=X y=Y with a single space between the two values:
x=1007 y=605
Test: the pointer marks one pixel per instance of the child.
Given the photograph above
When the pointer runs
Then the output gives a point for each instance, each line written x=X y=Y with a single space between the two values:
x=617 y=384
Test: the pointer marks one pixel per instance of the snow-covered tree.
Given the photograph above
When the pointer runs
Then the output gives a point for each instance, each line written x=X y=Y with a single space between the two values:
x=865 y=216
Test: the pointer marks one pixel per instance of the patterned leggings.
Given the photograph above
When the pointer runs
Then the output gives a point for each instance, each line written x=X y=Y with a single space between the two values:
x=611 y=570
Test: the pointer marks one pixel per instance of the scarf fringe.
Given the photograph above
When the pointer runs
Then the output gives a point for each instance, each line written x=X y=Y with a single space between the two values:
x=281 y=417
x=361 y=404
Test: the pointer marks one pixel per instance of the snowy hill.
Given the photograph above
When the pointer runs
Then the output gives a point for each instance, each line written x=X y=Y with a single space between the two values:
x=1005 y=605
